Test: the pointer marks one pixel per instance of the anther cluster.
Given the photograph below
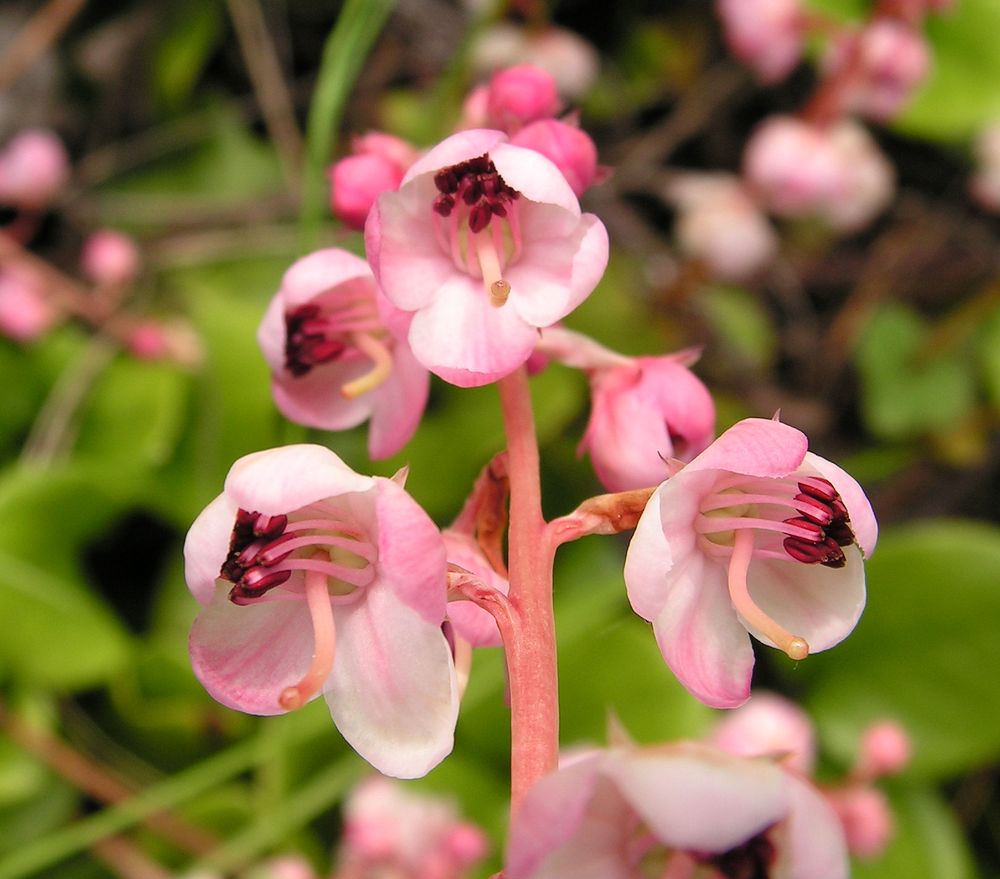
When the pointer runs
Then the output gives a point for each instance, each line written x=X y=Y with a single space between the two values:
x=823 y=513
x=306 y=341
x=254 y=547
x=477 y=184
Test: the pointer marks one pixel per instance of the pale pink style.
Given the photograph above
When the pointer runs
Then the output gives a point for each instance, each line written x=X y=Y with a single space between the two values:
x=34 y=168
x=393 y=832
x=769 y=725
x=25 y=312
x=567 y=146
x=315 y=579
x=484 y=243
x=521 y=94
x=110 y=257
x=643 y=410
x=756 y=535
x=721 y=225
x=683 y=810
x=767 y=35
x=328 y=338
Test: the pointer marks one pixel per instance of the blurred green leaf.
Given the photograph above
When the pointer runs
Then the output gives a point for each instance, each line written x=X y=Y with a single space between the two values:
x=190 y=32
x=989 y=356
x=928 y=843
x=742 y=324
x=61 y=636
x=907 y=390
x=924 y=652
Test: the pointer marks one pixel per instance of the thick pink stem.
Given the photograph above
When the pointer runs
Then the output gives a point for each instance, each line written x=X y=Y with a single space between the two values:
x=530 y=645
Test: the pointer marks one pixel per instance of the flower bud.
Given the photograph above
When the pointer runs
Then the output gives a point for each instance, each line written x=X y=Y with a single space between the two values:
x=764 y=34
x=110 y=258
x=355 y=183
x=769 y=725
x=885 y=750
x=519 y=95
x=568 y=147
x=25 y=313
x=866 y=817
x=34 y=167
x=892 y=60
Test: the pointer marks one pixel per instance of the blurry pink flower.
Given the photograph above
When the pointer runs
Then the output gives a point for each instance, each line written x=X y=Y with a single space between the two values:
x=866 y=817
x=769 y=725
x=25 y=312
x=518 y=95
x=885 y=750
x=334 y=362
x=111 y=258
x=315 y=579
x=471 y=622
x=484 y=243
x=868 y=179
x=376 y=165
x=34 y=167
x=174 y=340
x=392 y=832
x=767 y=35
x=643 y=409
x=673 y=811
x=719 y=223
x=756 y=535
x=567 y=146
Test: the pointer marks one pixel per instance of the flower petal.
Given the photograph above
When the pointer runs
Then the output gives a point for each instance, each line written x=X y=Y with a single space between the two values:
x=810 y=842
x=245 y=656
x=393 y=693
x=319 y=271
x=700 y=636
x=314 y=399
x=755 y=447
x=535 y=176
x=291 y=477
x=697 y=798
x=397 y=404
x=461 y=146
x=859 y=508
x=206 y=547
x=820 y=604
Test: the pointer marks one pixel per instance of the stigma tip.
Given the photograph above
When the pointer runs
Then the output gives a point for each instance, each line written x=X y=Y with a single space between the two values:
x=499 y=291
x=797 y=648
x=291 y=699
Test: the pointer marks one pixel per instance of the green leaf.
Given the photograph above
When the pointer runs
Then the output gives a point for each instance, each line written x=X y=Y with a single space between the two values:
x=188 y=36
x=923 y=653
x=907 y=390
x=927 y=843
x=61 y=635
x=742 y=324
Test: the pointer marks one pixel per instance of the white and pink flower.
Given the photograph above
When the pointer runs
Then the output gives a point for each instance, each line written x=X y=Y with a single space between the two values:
x=34 y=168
x=315 y=579
x=484 y=244
x=767 y=35
x=756 y=535
x=328 y=339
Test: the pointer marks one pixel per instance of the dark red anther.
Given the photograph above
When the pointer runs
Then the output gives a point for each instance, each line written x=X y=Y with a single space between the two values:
x=444 y=205
x=498 y=209
x=833 y=555
x=839 y=510
x=269 y=526
x=255 y=583
x=275 y=552
x=813 y=510
x=446 y=180
x=840 y=532
x=804 y=551
x=479 y=218
x=247 y=557
x=473 y=191
x=821 y=489
x=751 y=860
x=815 y=530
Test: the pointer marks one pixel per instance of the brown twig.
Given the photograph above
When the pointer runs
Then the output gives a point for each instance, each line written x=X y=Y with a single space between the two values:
x=40 y=31
x=127 y=860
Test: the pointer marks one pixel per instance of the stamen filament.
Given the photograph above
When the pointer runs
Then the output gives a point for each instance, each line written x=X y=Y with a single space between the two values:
x=722 y=501
x=380 y=371
x=362 y=550
x=327 y=524
x=489 y=264
x=715 y=524
x=324 y=644
x=353 y=576
x=739 y=563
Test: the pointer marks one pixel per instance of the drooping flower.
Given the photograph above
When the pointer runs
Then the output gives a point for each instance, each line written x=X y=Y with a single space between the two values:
x=757 y=535
x=676 y=811
x=315 y=579
x=483 y=243
x=328 y=339
x=643 y=409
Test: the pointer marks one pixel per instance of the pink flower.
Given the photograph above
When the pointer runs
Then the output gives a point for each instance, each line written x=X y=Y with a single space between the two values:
x=334 y=363
x=109 y=257
x=25 y=313
x=313 y=578
x=756 y=535
x=885 y=750
x=769 y=725
x=866 y=817
x=643 y=409
x=34 y=167
x=679 y=810
x=484 y=243
x=765 y=34
x=376 y=165
x=519 y=95
x=567 y=146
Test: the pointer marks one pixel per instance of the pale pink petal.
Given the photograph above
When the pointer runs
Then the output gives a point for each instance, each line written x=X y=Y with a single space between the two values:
x=392 y=693
x=279 y=481
x=397 y=404
x=465 y=340
x=271 y=334
x=810 y=842
x=554 y=275
x=535 y=176
x=755 y=447
x=319 y=271
x=818 y=603
x=700 y=636
x=471 y=622
x=411 y=553
x=245 y=656
x=457 y=148
x=769 y=725
x=695 y=798
x=206 y=547
x=682 y=400
x=859 y=508
x=572 y=824
x=315 y=400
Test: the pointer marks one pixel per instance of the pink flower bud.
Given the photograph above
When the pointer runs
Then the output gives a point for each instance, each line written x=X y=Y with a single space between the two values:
x=401 y=153
x=868 y=181
x=519 y=95
x=355 y=183
x=25 y=313
x=34 y=167
x=568 y=147
x=866 y=817
x=721 y=225
x=764 y=34
x=769 y=725
x=111 y=258
x=474 y=109
x=893 y=59
x=165 y=340
x=885 y=750
x=466 y=844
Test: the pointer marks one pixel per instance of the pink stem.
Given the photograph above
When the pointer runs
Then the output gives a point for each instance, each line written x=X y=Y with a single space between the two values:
x=530 y=645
